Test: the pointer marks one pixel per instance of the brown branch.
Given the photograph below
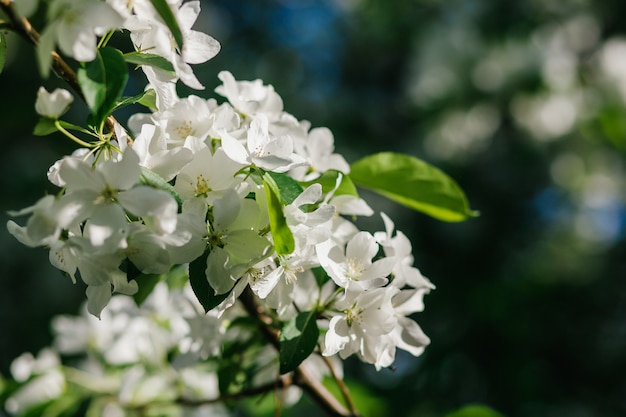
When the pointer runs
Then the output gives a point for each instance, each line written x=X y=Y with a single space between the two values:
x=342 y=386
x=301 y=376
x=22 y=27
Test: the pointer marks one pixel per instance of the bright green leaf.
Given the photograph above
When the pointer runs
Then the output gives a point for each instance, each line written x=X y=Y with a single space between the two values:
x=149 y=100
x=412 y=183
x=285 y=187
x=163 y=8
x=328 y=181
x=284 y=242
x=152 y=60
x=44 y=127
x=474 y=411
x=102 y=82
x=3 y=51
x=298 y=339
x=200 y=284
x=154 y=180
x=146 y=98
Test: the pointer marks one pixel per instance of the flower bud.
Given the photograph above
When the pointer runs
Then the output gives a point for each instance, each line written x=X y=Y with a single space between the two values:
x=54 y=104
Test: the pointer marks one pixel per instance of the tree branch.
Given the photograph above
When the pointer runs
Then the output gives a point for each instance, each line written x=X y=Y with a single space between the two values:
x=301 y=376
x=23 y=28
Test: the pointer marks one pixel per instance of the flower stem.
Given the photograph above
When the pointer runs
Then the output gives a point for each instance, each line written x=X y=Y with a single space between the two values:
x=71 y=136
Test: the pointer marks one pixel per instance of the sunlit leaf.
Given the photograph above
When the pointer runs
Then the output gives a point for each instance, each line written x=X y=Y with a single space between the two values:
x=152 y=60
x=146 y=99
x=412 y=183
x=102 y=82
x=285 y=187
x=298 y=339
x=284 y=242
x=169 y=18
x=328 y=181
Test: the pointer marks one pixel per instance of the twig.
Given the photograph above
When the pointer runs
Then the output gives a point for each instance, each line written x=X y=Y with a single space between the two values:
x=23 y=28
x=301 y=376
x=342 y=386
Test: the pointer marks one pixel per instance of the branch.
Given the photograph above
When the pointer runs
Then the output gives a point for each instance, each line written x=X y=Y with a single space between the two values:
x=23 y=28
x=301 y=376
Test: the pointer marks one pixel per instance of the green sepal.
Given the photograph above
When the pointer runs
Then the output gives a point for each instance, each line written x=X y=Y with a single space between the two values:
x=44 y=127
x=200 y=284
x=284 y=242
x=102 y=82
x=163 y=8
x=298 y=339
x=154 y=180
x=152 y=60
x=414 y=184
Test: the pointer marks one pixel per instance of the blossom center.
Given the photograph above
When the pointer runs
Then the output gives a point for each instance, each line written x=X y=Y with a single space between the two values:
x=184 y=129
x=354 y=314
x=354 y=269
x=202 y=186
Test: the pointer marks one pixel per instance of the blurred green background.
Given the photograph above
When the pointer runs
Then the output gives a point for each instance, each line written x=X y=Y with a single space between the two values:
x=523 y=103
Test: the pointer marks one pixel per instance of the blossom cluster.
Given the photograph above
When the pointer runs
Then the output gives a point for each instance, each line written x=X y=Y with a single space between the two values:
x=240 y=190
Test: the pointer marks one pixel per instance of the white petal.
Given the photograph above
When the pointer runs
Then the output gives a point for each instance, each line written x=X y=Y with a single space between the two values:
x=124 y=174
x=156 y=206
x=199 y=47
x=234 y=149
x=98 y=297
x=217 y=273
x=265 y=284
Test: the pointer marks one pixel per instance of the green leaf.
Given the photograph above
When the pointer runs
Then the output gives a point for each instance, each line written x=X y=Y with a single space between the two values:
x=285 y=187
x=154 y=180
x=152 y=60
x=168 y=17
x=298 y=339
x=147 y=99
x=284 y=242
x=146 y=283
x=328 y=181
x=44 y=127
x=3 y=51
x=413 y=183
x=200 y=284
x=475 y=411
x=102 y=82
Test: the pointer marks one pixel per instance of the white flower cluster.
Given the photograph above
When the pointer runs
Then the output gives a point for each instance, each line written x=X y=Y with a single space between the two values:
x=134 y=357
x=242 y=188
